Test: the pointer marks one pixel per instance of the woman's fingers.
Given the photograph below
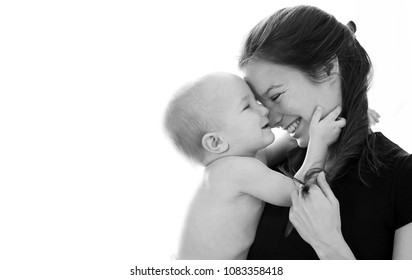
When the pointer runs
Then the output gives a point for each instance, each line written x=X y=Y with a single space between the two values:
x=324 y=186
x=294 y=195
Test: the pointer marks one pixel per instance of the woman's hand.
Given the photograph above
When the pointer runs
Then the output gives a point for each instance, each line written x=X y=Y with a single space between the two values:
x=316 y=217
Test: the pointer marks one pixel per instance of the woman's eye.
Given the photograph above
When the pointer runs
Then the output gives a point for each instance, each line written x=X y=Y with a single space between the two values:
x=275 y=97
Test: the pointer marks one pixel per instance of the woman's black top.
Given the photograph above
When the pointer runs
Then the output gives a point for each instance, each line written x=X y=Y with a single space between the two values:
x=369 y=214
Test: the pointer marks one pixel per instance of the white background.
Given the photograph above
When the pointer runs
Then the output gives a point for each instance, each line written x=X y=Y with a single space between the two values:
x=89 y=183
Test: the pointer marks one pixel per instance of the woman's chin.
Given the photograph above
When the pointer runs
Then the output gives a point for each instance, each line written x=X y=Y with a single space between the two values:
x=302 y=142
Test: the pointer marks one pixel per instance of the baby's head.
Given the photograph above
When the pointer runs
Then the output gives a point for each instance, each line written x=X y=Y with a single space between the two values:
x=215 y=116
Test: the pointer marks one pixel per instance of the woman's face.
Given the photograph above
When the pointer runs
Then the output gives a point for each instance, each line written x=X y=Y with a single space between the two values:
x=291 y=96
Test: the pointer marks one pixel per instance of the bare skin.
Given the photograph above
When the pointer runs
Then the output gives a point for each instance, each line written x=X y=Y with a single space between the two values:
x=224 y=214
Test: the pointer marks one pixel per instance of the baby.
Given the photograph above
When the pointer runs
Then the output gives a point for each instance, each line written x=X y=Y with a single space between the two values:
x=217 y=122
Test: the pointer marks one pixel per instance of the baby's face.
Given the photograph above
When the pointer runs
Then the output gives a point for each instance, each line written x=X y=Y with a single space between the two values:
x=246 y=125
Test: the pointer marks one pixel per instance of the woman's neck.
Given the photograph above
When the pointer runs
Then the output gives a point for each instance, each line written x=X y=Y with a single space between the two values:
x=330 y=161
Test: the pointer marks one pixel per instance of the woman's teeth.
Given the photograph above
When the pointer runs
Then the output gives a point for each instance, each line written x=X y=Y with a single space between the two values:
x=291 y=128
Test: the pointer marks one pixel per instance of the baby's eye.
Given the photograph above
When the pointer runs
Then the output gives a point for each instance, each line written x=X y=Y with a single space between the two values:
x=247 y=106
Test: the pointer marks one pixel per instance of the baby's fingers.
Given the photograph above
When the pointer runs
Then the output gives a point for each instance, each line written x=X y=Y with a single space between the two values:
x=373 y=113
x=373 y=116
x=334 y=114
x=317 y=115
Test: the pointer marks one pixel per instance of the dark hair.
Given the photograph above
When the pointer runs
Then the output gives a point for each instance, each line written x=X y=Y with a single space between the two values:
x=309 y=39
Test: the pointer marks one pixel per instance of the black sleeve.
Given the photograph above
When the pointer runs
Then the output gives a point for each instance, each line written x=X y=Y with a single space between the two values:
x=403 y=193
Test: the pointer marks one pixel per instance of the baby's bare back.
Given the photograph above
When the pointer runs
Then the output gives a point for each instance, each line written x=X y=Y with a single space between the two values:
x=221 y=222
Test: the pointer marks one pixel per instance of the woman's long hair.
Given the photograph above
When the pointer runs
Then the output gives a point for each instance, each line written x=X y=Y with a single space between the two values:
x=310 y=39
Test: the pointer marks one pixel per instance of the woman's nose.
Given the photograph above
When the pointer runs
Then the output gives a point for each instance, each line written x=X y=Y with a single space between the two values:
x=264 y=110
x=274 y=118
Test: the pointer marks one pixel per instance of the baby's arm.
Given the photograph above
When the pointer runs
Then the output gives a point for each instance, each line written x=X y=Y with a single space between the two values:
x=253 y=178
x=322 y=134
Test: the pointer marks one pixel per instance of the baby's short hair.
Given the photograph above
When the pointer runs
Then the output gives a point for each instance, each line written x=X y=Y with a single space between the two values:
x=189 y=116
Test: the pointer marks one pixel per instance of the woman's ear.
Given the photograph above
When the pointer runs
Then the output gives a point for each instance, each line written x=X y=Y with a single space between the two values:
x=331 y=69
x=212 y=142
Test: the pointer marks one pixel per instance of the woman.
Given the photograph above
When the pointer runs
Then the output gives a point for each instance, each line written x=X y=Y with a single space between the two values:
x=295 y=60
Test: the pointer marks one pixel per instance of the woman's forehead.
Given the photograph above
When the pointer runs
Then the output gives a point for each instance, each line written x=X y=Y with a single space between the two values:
x=264 y=76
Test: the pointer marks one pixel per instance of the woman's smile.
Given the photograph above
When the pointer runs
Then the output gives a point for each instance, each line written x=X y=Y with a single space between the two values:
x=293 y=126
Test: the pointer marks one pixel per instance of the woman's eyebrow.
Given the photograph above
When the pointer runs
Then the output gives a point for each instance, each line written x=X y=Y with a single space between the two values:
x=270 y=88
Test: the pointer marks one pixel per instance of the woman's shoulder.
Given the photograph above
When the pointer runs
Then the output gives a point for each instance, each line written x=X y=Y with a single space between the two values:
x=396 y=161
x=399 y=178
x=389 y=151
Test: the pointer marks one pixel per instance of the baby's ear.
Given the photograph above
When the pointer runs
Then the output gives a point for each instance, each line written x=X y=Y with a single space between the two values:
x=213 y=143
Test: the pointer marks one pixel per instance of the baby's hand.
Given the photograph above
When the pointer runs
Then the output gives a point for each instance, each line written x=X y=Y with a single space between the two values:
x=327 y=130
x=373 y=117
